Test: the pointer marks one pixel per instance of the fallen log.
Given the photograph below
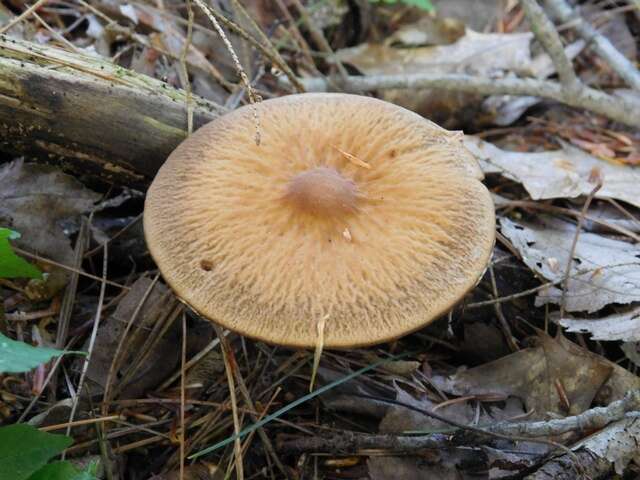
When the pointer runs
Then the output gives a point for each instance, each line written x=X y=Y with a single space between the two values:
x=89 y=115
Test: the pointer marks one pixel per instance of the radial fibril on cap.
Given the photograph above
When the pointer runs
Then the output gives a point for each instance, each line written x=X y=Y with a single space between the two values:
x=267 y=239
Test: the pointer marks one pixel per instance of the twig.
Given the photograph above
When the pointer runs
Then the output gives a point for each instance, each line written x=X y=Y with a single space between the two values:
x=601 y=44
x=229 y=369
x=36 y=397
x=280 y=62
x=183 y=426
x=543 y=286
x=186 y=85
x=92 y=339
x=593 y=419
x=467 y=432
x=622 y=110
x=48 y=261
x=567 y=272
x=319 y=37
x=569 y=91
x=244 y=391
x=253 y=98
x=70 y=294
x=351 y=442
x=55 y=34
x=548 y=36
x=22 y=16
x=563 y=468
x=506 y=329
x=106 y=397
x=78 y=423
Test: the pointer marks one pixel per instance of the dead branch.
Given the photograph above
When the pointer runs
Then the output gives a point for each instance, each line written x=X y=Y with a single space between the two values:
x=549 y=37
x=601 y=44
x=563 y=467
x=569 y=90
x=89 y=115
x=615 y=108
x=352 y=442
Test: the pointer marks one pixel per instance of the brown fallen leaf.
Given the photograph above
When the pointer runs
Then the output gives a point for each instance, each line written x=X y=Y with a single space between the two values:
x=533 y=375
x=34 y=199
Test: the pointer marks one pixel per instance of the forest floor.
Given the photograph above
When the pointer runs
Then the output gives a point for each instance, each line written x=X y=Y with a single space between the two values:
x=534 y=374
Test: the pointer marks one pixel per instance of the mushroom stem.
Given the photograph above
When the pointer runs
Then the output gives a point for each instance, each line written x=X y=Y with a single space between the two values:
x=323 y=192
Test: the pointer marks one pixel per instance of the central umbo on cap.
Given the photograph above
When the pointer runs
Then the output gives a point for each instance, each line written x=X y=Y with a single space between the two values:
x=350 y=209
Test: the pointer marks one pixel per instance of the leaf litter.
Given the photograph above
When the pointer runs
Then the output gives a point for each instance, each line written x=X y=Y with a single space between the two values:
x=602 y=271
x=461 y=367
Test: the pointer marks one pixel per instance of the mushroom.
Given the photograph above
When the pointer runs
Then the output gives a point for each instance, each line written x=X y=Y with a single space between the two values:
x=351 y=211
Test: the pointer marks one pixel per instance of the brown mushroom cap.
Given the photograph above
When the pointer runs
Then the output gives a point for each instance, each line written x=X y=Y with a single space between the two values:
x=351 y=209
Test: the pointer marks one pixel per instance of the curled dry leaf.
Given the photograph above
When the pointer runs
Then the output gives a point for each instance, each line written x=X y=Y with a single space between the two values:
x=533 y=375
x=475 y=53
x=558 y=173
x=603 y=270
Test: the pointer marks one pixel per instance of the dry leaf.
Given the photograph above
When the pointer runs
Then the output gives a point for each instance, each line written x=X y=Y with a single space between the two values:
x=619 y=326
x=488 y=54
x=603 y=270
x=34 y=198
x=532 y=375
x=559 y=173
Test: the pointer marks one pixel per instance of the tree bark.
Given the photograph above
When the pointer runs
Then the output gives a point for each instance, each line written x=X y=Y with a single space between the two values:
x=89 y=115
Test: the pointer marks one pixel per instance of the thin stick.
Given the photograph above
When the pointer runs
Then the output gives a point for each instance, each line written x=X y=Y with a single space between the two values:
x=567 y=272
x=22 y=16
x=616 y=108
x=601 y=44
x=229 y=369
x=469 y=428
x=78 y=423
x=44 y=385
x=92 y=340
x=55 y=34
x=253 y=98
x=67 y=267
x=70 y=294
x=506 y=329
x=533 y=290
x=319 y=37
x=548 y=36
x=265 y=41
x=183 y=427
x=195 y=359
x=116 y=356
x=185 y=80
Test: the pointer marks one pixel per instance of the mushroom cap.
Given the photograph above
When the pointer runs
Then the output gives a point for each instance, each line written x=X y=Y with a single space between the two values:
x=351 y=210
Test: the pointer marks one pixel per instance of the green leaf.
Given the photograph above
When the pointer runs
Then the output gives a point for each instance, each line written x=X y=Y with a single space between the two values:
x=18 y=357
x=422 y=4
x=24 y=450
x=61 y=471
x=11 y=265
